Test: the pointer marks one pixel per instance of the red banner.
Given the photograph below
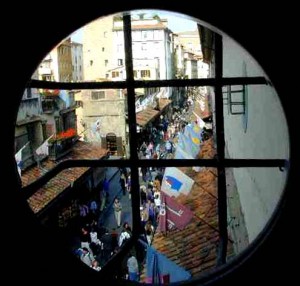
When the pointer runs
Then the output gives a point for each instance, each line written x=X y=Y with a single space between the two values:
x=172 y=214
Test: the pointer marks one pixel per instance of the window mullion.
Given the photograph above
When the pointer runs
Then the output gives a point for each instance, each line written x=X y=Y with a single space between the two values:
x=222 y=197
x=135 y=198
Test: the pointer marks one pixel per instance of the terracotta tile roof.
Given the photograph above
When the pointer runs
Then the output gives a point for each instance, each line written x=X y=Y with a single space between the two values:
x=149 y=114
x=67 y=177
x=194 y=248
x=149 y=27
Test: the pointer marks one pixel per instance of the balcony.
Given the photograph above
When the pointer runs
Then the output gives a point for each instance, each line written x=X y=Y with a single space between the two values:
x=62 y=144
x=60 y=148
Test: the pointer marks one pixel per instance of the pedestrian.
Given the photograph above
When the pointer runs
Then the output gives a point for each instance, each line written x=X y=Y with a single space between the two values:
x=129 y=186
x=118 y=211
x=123 y=183
x=85 y=239
x=149 y=230
x=124 y=237
x=133 y=268
x=104 y=194
x=87 y=257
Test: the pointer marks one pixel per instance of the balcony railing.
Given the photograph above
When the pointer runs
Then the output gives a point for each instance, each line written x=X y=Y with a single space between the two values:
x=61 y=147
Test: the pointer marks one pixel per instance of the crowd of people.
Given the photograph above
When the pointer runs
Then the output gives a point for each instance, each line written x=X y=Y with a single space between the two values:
x=98 y=243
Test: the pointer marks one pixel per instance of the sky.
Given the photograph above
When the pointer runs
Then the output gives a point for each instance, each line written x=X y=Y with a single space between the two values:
x=175 y=24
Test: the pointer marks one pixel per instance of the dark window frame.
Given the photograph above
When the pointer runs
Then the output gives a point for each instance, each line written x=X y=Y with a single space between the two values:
x=219 y=162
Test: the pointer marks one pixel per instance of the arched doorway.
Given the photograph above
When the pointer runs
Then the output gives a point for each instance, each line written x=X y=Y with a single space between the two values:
x=111 y=143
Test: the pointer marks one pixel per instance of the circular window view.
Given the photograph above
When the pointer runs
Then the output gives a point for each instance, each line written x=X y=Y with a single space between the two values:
x=152 y=142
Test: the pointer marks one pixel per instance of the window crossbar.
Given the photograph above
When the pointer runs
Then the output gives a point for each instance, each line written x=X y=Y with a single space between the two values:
x=33 y=83
x=30 y=189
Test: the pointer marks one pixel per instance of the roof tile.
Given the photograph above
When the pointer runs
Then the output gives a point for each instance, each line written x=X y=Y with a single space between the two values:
x=194 y=248
x=63 y=180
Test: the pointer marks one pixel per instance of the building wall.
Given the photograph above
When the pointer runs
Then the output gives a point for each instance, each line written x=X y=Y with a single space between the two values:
x=147 y=45
x=28 y=108
x=110 y=112
x=57 y=65
x=97 y=48
x=191 y=70
x=264 y=137
x=203 y=69
x=77 y=61
x=190 y=41
x=50 y=125
x=79 y=115
x=30 y=105
x=64 y=58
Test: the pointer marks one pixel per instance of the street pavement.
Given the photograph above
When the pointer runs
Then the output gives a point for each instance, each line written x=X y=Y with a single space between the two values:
x=107 y=217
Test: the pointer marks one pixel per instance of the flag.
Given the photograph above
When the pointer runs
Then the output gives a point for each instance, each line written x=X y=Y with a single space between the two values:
x=187 y=145
x=43 y=149
x=160 y=268
x=193 y=132
x=175 y=182
x=181 y=154
x=18 y=157
x=172 y=214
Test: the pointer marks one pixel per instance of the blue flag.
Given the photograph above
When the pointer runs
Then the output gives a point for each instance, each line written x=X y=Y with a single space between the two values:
x=173 y=183
x=159 y=266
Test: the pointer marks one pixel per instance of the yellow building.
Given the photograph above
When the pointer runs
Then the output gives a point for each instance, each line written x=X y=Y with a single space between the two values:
x=57 y=65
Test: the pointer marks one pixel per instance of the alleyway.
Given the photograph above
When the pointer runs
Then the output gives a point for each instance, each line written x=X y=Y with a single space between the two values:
x=107 y=218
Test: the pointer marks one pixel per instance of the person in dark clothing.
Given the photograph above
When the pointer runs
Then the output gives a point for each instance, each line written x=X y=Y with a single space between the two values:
x=123 y=183
x=107 y=241
x=159 y=177
x=104 y=194
x=85 y=239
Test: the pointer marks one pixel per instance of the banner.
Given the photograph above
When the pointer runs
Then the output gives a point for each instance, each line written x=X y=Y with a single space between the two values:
x=18 y=157
x=187 y=145
x=43 y=149
x=161 y=270
x=181 y=154
x=193 y=132
x=175 y=182
x=172 y=214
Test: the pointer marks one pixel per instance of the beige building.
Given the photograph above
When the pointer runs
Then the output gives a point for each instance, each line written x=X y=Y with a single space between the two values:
x=189 y=60
x=103 y=111
x=103 y=118
x=77 y=61
x=190 y=41
x=57 y=65
x=97 y=49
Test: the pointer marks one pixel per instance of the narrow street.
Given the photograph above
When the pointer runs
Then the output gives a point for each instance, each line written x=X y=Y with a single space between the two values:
x=107 y=218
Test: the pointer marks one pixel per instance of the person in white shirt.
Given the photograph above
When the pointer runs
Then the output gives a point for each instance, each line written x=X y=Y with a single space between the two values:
x=124 y=236
x=87 y=257
x=118 y=211
x=157 y=200
x=133 y=268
